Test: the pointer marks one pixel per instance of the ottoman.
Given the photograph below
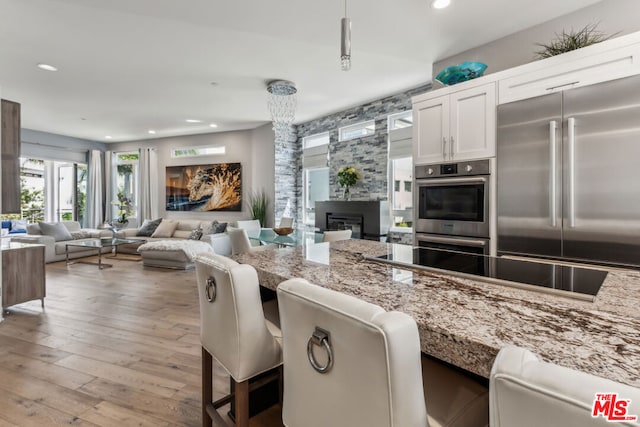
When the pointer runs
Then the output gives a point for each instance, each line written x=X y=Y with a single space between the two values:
x=178 y=254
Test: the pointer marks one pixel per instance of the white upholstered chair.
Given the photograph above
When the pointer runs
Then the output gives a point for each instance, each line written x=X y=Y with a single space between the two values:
x=334 y=236
x=367 y=367
x=286 y=222
x=527 y=392
x=234 y=331
x=240 y=242
x=249 y=225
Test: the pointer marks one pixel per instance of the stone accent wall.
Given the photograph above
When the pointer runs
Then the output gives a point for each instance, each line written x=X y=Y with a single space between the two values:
x=368 y=154
x=288 y=177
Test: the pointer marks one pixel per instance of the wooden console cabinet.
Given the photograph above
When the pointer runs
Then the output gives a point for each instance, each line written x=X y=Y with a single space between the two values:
x=10 y=119
x=23 y=274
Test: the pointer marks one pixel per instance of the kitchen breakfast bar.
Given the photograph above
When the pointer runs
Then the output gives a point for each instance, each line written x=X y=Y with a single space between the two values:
x=466 y=322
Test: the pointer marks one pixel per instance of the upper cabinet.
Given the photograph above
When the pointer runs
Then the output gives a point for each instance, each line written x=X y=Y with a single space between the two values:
x=459 y=122
x=574 y=69
x=457 y=126
x=10 y=157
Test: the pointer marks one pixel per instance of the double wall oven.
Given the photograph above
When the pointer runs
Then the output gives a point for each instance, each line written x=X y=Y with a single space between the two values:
x=452 y=206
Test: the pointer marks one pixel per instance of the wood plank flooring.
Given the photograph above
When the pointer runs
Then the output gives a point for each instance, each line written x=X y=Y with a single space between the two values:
x=112 y=347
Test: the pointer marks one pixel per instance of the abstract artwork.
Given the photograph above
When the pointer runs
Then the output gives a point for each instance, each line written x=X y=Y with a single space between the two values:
x=215 y=187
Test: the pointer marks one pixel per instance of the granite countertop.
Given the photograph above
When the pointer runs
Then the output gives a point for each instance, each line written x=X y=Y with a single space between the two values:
x=466 y=322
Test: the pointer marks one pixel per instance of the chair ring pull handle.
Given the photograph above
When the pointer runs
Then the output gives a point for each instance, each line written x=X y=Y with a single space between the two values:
x=210 y=289
x=320 y=337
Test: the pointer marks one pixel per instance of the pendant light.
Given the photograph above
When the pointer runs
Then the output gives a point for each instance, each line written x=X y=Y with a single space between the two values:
x=345 y=41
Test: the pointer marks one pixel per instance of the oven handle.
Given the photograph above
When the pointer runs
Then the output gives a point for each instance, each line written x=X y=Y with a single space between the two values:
x=453 y=240
x=462 y=180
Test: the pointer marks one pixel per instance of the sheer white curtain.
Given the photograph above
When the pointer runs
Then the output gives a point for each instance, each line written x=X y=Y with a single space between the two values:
x=148 y=188
x=108 y=185
x=95 y=190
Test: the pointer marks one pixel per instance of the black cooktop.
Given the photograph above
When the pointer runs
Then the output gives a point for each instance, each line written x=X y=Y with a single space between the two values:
x=579 y=282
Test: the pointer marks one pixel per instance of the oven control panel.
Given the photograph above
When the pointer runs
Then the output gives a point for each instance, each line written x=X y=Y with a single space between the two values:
x=470 y=168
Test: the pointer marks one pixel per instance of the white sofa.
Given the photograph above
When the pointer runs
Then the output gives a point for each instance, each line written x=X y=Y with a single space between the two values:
x=219 y=242
x=56 y=251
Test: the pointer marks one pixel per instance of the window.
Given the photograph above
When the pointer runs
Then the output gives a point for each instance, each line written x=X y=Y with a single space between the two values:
x=125 y=190
x=401 y=120
x=400 y=167
x=357 y=130
x=32 y=187
x=52 y=191
x=210 y=150
x=401 y=171
x=316 y=188
x=315 y=140
x=315 y=156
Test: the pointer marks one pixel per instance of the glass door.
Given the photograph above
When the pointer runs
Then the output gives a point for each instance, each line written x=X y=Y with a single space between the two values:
x=66 y=192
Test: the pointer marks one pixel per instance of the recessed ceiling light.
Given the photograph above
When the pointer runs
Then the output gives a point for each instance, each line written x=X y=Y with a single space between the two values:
x=213 y=125
x=193 y=121
x=108 y=137
x=151 y=132
x=440 y=4
x=47 y=67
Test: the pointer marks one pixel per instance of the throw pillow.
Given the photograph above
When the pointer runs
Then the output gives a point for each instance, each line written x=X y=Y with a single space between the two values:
x=80 y=234
x=148 y=227
x=215 y=227
x=165 y=229
x=57 y=230
x=196 y=234
x=18 y=225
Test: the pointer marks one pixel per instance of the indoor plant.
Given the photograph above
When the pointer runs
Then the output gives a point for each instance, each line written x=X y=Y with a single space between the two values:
x=572 y=40
x=347 y=177
x=125 y=209
x=258 y=204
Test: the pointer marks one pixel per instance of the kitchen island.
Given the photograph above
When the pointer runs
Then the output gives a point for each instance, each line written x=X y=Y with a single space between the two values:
x=466 y=322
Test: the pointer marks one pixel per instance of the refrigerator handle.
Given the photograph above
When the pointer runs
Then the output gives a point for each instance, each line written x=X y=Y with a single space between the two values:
x=444 y=148
x=451 y=148
x=571 y=133
x=553 y=125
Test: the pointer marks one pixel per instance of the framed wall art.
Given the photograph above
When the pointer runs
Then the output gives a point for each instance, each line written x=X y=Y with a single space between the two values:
x=216 y=187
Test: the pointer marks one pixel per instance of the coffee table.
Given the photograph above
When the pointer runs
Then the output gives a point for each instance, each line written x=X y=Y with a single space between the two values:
x=99 y=244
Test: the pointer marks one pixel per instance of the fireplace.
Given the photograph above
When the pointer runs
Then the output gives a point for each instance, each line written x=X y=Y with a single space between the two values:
x=339 y=221
x=367 y=219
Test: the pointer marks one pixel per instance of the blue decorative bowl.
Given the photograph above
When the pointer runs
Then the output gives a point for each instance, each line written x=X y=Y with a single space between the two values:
x=461 y=73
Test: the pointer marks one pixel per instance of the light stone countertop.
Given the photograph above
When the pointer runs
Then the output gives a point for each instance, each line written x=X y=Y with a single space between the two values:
x=466 y=322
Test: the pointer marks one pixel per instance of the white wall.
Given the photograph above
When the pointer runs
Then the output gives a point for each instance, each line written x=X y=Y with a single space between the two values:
x=263 y=160
x=252 y=148
x=612 y=16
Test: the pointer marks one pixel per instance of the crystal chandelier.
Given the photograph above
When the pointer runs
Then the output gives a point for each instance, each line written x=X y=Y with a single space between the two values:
x=345 y=41
x=282 y=105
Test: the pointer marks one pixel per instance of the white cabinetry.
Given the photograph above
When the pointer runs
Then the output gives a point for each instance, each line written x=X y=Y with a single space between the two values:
x=574 y=69
x=460 y=125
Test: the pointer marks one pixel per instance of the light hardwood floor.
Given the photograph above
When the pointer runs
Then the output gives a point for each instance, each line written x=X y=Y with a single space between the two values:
x=113 y=347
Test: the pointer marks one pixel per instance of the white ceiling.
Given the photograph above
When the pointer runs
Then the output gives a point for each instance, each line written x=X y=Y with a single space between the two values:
x=127 y=66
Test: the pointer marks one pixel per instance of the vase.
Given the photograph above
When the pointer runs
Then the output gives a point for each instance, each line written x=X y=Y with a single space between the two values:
x=346 y=194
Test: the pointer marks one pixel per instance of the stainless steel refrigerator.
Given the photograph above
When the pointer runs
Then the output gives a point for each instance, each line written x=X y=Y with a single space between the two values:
x=568 y=171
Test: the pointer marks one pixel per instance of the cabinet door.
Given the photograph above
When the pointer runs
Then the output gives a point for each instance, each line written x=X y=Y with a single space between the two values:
x=473 y=123
x=571 y=70
x=430 y=130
